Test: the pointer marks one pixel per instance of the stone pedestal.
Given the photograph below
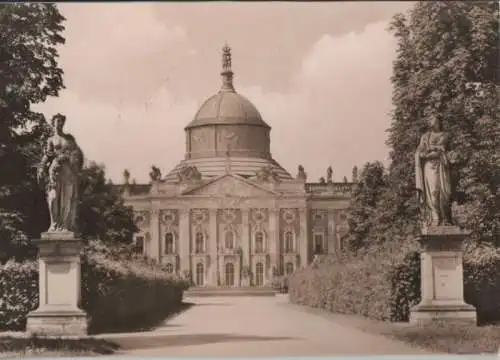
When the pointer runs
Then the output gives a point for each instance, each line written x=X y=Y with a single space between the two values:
x=58 y=313
x=442 y=278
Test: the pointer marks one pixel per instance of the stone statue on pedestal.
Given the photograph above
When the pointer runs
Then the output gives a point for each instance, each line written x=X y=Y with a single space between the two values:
x=59 y=251
x=59 y=174
x=441 y=259
x=433 y=179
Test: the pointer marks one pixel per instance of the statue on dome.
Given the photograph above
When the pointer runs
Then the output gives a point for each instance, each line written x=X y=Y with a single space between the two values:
x=188 y=173
x=59 y=175
x=267 y=174
x=301 y=174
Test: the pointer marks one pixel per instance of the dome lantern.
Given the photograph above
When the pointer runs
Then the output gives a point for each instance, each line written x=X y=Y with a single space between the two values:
x=227 y=73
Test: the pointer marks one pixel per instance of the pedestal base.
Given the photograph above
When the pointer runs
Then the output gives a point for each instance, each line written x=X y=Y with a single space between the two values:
x=57 y=323
x=426 y=314
x=442 y=283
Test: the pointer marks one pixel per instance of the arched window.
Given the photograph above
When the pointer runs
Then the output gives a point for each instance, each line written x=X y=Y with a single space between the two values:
x=229 y=274
x=288 y=241
x=259 y=274
x=229 y=240
x=259 y=242
x=199 y=242
x=169 y=243
x=170 y=268
x=289 y=268
x=200 y=274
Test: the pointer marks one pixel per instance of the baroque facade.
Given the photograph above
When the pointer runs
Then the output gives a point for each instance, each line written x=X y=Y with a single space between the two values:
x=228 y=214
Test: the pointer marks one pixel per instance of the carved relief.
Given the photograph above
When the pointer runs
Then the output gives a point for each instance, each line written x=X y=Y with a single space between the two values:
x=199 y=218
x=319 y=216
x=259 y=216
x=289 y=215
x=168 y=217
x=188 y=173
x=267 y=174
x=228 y=216
x=230 y=186
x=142 y=218
x=200 y=138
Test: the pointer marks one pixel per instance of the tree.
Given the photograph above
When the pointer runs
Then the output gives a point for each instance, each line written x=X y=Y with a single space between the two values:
x=367 y=195
x=29 y=73
x=101 y=213
x=443 y=48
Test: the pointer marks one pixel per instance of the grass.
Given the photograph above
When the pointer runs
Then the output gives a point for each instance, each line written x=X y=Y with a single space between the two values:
x=36 y=346
x=16 y=344
x=439 y=338
x=450 y=338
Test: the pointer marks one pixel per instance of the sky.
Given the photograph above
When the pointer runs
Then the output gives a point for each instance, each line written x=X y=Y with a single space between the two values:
x=319 y=73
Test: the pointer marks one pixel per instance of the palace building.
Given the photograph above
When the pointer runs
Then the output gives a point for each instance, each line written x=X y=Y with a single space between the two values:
x=228 y=214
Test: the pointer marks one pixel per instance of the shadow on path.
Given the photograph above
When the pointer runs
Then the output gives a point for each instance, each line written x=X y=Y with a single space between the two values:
x=142 y=323
x=190 y=340
x=97 y=346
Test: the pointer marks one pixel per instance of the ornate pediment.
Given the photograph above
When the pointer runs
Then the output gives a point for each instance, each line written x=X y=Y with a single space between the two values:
x=230 y=186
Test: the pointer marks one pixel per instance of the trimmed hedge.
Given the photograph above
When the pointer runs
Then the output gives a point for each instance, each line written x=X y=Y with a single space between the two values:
x=117 y=288
x=384 y=283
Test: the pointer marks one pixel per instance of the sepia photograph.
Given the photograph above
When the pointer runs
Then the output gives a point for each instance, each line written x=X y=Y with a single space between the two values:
x=249 y=179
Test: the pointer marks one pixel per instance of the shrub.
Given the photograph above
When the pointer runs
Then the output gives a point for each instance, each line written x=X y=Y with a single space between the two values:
x=383 y=283
x=481 y=283
x=118 y=288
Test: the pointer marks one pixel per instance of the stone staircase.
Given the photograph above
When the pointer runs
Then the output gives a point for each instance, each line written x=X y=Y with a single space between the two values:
x=229 y=291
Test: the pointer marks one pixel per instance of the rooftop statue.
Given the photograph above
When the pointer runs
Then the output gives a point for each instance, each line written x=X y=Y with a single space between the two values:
x=433 y=179
x=58 y=174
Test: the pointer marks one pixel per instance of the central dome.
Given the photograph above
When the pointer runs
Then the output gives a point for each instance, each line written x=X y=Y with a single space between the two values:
x=227 y=107
x=228 y=132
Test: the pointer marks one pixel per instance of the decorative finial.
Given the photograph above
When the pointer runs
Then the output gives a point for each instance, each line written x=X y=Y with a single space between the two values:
x=227 y=73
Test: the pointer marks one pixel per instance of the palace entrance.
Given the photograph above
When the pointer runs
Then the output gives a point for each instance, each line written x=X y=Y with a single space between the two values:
x=229 y=274
x=259 y=274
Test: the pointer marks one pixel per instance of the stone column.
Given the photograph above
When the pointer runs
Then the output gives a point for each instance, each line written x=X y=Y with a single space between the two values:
x=212 y=247
x=154 y=230
x=184 y=241
x=274 y=244
x=59 y=267
x=442 y=283
x=304 y=246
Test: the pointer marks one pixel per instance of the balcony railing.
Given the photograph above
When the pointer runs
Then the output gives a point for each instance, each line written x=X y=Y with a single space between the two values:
x=334 y=188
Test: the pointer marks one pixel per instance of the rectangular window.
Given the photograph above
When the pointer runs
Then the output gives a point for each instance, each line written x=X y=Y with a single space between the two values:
x=318 y=243
x=139 y=244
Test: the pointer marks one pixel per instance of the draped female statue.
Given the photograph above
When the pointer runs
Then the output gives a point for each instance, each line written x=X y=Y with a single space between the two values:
x=433 y=180
x=59 y=175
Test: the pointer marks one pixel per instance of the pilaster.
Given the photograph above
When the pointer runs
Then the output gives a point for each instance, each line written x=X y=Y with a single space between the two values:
x=304 y=246
x=245 y=237
x=274 y=244
x=155 y=236
x=184 y=241
x=212 y=247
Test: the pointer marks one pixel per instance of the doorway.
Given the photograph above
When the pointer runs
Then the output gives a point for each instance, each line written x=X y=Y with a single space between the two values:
x=259 y=274
x=229 y=274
